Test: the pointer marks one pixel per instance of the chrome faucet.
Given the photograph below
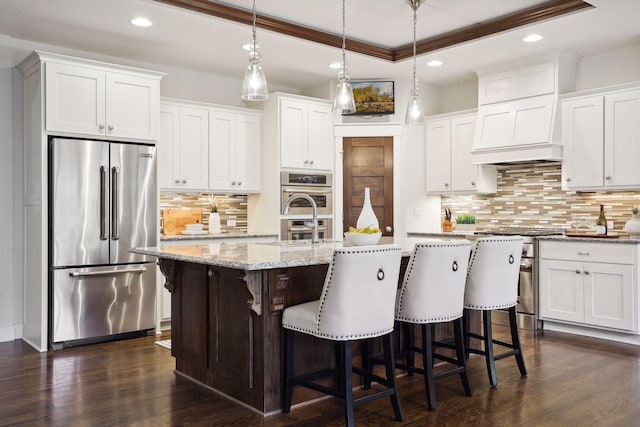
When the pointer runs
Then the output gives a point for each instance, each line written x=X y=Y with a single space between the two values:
x=314 y=208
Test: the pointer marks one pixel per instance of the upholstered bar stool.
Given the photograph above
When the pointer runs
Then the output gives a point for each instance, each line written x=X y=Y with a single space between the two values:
x=433 y=292
x=357 y=302
x=492 y=283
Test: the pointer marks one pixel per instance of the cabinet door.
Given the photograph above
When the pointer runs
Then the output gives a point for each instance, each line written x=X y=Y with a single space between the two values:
x=194 y=149
x=622 y=139
x=74 y=99
x=293 y=134
x=132 y=106
x=464 y=175
x=608 y=292
x=320 y=144
x=438 y=153
x=169 y=147
x=582 y=138
x=248 y=152
x=561 y=290
x=221 y=146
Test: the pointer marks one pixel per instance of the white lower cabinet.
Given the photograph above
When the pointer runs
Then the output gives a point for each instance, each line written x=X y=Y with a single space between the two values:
x=589 y=284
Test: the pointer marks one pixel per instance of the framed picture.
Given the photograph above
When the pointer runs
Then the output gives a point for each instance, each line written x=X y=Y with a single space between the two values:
x=373 y=98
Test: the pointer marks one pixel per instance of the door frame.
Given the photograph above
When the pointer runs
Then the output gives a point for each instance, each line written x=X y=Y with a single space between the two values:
x=350 y=130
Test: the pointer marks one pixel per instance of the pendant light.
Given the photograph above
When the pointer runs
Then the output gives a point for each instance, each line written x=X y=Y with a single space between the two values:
x=343 y=102
x=415 y=112
x=254 y=85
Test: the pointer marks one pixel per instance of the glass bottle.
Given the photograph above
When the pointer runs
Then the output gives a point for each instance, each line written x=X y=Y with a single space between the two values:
x=602 y=222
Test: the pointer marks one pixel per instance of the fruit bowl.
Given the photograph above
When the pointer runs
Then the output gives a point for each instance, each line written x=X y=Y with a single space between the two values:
x=362 y=239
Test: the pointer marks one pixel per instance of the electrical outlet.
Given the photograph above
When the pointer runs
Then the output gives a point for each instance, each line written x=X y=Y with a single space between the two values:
x=417 y=213
x=231 y=223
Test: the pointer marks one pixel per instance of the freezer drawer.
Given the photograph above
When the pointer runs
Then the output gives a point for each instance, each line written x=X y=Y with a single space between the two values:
x=102 y=301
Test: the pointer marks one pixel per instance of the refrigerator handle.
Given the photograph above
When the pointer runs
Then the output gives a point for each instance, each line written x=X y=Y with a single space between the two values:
x=103 y=203
x=106 y=272
x=115 y=206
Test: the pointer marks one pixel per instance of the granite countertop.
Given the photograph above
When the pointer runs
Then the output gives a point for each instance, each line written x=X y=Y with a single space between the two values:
x=207 y=236
x=621 y=239
x=455 y=233
x=255 y=255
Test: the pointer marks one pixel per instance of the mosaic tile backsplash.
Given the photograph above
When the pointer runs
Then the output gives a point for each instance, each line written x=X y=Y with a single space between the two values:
x=530 y=194
x=230 y=207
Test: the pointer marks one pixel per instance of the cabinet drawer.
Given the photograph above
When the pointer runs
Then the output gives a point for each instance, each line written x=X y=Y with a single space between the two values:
x=594 y=252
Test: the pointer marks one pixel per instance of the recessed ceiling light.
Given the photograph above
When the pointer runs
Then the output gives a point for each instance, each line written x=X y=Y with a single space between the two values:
x=532 y=38
x=335 y=65
x=141 y=22
x=435 y=63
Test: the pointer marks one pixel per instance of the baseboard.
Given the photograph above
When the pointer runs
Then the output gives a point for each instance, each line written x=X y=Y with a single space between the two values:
x=592 y=332
x=10 y=333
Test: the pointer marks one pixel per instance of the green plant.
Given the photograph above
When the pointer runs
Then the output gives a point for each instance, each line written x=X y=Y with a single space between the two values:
x=635 y=210
x=212 y=204
x=466 y=219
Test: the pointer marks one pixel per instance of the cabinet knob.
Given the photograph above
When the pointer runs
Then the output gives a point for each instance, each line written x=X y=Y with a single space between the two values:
x=233 y=183
x=110 y=127
x=577 y=271
x=239 y=182
x=306 y=162
x=177 y=181
x=473 y=183
x=184 y=181
x=100 y=127
x=311 y=162
x=608 y=177
x=586 y=273
x=568 y=179
x=446 y=184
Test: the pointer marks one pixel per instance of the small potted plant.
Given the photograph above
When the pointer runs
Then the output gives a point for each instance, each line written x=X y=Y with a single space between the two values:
x=214 y=217
x=466 y=222
x=633 y=225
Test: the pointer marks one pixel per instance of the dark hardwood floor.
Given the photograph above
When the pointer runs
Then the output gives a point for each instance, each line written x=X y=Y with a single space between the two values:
x=572 y=381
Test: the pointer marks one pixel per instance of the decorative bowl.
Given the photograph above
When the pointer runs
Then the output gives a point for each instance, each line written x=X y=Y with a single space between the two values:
x=194 y=227
x=362 y=239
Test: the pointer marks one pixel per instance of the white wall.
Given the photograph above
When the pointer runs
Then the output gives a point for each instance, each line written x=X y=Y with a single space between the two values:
x=608 y=68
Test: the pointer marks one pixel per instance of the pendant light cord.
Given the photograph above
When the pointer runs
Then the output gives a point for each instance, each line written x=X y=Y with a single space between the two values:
x=254 y=27
x=415 y=5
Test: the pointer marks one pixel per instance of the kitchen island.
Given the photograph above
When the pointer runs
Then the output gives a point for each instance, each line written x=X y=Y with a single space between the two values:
x=226 y=313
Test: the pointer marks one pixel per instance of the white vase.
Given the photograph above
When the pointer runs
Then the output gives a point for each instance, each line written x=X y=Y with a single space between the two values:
x=214 y=223
x=367 y=217
x=633 y=226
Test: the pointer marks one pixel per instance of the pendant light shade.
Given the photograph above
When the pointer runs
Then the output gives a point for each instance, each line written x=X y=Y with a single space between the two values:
x=415 y=112
x=254 y=84
x=343 y=102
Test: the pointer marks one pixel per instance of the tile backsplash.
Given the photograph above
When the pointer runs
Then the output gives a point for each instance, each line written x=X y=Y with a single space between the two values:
x=231 y=207
x=530 y=194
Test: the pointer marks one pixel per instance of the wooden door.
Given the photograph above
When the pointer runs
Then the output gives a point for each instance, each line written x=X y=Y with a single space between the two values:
x=368 y=162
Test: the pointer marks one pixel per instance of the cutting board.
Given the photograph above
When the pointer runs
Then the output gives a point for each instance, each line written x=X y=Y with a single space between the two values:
x=174 y=220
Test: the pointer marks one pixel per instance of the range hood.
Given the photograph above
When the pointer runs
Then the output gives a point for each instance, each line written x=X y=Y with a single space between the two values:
x=518 y=131
x=518 y=114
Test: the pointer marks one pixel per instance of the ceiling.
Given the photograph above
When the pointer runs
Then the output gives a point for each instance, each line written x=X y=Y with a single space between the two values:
x=193 y=40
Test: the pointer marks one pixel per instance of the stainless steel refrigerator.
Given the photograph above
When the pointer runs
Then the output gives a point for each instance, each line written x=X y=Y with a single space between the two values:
x=103 y=202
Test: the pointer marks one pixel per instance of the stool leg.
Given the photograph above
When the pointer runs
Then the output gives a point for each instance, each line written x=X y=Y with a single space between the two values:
x=345 y=382
x=488 y=344
x=427 y=360
x=408 y=329
x=515 y=340
x=460 y=356
x=466 y=322
x=288 y=370
x=387 y=343
x=367 y=366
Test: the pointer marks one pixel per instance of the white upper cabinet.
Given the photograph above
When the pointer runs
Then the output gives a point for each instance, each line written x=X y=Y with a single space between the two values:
x=97 y=101
x=234 y=151
x=306 y=135
x=601 y=137
x=183 y=148
x=449 y=165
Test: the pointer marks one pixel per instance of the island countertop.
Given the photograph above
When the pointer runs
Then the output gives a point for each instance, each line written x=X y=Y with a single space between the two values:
x=255 y=255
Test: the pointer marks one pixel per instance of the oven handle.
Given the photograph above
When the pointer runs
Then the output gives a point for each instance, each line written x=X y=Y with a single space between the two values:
x=526 y=263
x=305 y=228
x=310 y=191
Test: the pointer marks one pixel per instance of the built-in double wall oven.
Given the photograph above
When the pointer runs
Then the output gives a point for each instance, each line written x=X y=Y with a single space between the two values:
x=317 y=185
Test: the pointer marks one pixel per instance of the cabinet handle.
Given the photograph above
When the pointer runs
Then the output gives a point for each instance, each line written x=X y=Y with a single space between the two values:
x=583 y=253
x=446 y=184
x=608 y=177
x=473 y=183
x=177 y=181
x=306 y=162
x=233 y=183
x=110 y=127
x=586 y=273
x=568 y=179
x=311 y=162
x=239 y=182
x=577 y=271
x=184 y=181
x=100 y=127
